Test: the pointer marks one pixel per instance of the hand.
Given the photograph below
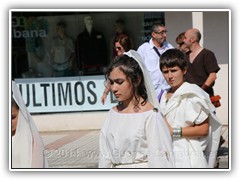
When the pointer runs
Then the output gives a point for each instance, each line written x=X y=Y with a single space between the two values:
x=103 y=98
x=204 y=87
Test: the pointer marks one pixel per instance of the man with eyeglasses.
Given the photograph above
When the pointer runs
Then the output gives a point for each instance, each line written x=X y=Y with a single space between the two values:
x=151 y=52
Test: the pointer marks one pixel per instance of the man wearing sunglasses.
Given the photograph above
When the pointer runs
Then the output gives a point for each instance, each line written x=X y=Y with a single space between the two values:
x=151 y=52
x=180 y=43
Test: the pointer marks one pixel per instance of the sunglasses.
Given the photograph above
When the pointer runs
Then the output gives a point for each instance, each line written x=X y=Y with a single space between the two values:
x=180 y=44
x=118 y=48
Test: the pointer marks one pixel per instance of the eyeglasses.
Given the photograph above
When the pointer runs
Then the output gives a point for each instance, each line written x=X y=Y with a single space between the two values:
x=162 y=32
x=118 y=48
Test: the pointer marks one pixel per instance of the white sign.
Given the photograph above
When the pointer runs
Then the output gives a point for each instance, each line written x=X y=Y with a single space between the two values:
x=68 y=94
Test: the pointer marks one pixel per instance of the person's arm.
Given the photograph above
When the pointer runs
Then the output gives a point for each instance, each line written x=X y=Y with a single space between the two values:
x=210 y=80
x=195 y=131
x=105 y=93
x=198 y=130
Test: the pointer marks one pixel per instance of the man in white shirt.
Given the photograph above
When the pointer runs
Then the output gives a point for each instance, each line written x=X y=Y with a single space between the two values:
x=151 y=52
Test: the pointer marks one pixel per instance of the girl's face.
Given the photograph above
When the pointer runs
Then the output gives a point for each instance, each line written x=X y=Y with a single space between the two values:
x=15 y=112
x=188 y=40
x=174 y=76
x=119 y=49
x=120 y=85
x=183 y=47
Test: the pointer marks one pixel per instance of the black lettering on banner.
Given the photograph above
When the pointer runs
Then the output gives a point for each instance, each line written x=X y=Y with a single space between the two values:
x=77 y=92
x=45 y=93
x=20 y=89
x=65 y=94
x=92 y=92
x=53 y=94
x=34 y=96
x=27 y=94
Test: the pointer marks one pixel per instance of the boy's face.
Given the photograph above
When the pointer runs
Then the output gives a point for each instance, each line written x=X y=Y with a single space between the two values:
x=174 y=76
x=15 y=112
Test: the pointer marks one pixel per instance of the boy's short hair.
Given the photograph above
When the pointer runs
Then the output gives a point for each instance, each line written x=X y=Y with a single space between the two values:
x=173 y=57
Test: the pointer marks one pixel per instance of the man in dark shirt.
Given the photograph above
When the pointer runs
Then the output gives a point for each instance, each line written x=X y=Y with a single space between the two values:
x=202 y=63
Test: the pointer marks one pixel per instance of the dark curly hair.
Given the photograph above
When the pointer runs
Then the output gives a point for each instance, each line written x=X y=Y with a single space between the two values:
x=133 y=72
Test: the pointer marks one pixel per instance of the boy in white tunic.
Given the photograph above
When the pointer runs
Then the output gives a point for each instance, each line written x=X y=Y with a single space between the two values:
x=190 y=115
x=134 y=134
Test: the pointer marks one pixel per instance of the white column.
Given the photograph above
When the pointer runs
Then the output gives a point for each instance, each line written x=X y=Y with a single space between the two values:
x=197 y=22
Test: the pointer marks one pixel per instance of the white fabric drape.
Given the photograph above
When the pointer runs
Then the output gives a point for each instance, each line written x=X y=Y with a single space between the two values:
x=190 y=105
x=134 y=141
x=27 y=145
x=152 y=98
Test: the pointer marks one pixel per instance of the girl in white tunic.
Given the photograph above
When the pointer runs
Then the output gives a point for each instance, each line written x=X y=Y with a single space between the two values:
x=134 y=134
x=27 y=145
x=190 y=115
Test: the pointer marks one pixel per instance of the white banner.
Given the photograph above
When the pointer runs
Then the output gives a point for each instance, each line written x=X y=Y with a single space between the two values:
x=67 y=94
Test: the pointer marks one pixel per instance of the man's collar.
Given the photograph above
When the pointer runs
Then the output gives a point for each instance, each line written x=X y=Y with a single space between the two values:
x=152 y=45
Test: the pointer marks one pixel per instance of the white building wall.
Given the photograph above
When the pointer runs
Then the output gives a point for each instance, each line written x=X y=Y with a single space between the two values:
x=221 y=88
